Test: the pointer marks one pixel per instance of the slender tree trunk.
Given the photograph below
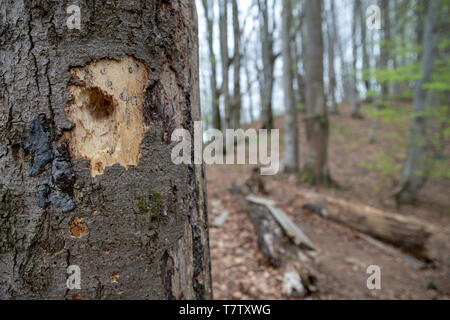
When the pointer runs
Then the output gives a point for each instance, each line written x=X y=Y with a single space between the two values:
x=300 y=91
x=249 y=87
x=386 y=45
x=354 y=78
x=290 y=117
x=223 y=11
x=414 y=171
x=317 y=127
x=331 y=32
x=381 y=100
x=345 y=72
x=215 y=92
x=237 y=67
x=268 y=64
x=421 y=12
x=365 y=54
x=86 y=173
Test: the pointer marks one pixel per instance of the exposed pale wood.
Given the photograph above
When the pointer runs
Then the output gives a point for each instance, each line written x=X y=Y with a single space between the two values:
x=290 y=228
x=259 y=200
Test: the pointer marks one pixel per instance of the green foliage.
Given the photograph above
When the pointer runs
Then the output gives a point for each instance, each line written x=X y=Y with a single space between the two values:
x=440 y=169
x=388 y=114
x=385 y=166
x=440 y=79
x=407 y=73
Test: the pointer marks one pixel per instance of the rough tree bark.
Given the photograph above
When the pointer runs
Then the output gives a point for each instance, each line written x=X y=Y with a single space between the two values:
x=414 y=171
x=85 y=161
x=315 y=170
x=290 y=117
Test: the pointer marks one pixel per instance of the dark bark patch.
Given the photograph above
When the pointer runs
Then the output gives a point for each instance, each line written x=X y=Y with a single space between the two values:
x=56 y=187
x=167 y=270
x=37 y=144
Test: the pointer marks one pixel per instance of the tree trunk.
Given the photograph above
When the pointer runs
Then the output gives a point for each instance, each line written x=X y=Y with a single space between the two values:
x=317 y=126
x=249 y=87
x=386 y=45
x=215 y=92
x=414 y=171
x=290 y=117
x=86 y=171
x=421 y=10
x=365 y=54
x=345 y=72
x=236 y=110
x=225 y=61
x=331 y=35
x=268 y=64
x=381 y=101
x=300 y=85
x=355 y=94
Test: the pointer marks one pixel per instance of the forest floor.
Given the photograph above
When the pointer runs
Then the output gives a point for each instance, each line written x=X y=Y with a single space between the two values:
x=239 y=270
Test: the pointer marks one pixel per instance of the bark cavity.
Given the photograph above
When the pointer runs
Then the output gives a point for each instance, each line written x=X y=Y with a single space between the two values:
x=77 y=227
x=107 y=112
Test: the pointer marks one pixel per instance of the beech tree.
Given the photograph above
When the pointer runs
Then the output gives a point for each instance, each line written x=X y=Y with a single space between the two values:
x=224 y=55
x=268 y=59
x=236 y=105
x=290 y=118
x=315 y=170
x=331 y=41
x=356 y=23
x=208 y=7
x=86 y=174
x=415 y=168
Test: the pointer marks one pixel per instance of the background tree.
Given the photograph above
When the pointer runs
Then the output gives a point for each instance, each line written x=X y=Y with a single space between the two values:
x=268 y=61
x=316 y=169
x=332 y=39
x=367 y=75
x=356 y=24
x=290 y=119
x=381 y=101
x=208 y=7
x=224 y=55
x=236 y=107
x=417 y=164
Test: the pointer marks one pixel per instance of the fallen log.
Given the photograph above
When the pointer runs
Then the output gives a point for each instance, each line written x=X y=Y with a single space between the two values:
x=407 y=233
x=291 y=230
x=279 y=246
